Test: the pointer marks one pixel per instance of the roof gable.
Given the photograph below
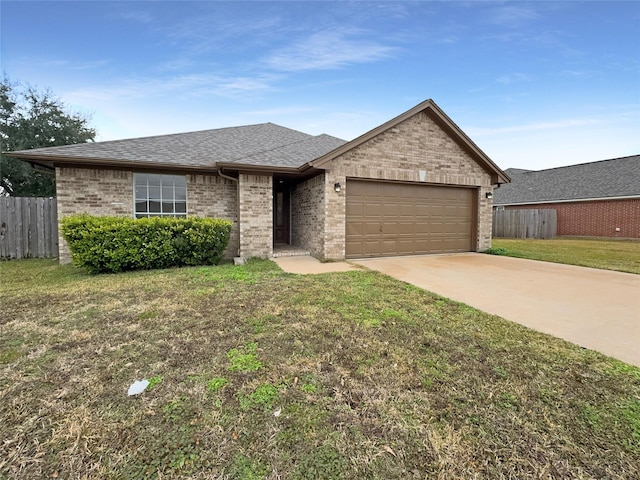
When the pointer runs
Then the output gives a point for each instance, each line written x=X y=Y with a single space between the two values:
x=617 y=177
x=435 y=113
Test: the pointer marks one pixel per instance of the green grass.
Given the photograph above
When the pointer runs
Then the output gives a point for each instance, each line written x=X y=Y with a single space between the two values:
x=260 y=374
x=620 y=255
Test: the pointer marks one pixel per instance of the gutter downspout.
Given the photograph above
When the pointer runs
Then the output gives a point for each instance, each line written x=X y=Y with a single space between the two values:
x=237 y=182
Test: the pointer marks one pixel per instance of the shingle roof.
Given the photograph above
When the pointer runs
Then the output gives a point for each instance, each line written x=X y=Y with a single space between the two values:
x=264 y=144
x=617 y=177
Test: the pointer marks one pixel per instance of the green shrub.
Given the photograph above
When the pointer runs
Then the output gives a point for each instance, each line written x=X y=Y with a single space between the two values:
x=497 y=251
x=116 y=244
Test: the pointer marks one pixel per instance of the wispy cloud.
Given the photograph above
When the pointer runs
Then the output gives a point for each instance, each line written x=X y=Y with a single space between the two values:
x=293 y=110
x=203 y=34
x=513 y=15
x=183 y=86
x=330 y=49
x=513 y=78
x=67 y=65
x=534 y=127
x=137 y=16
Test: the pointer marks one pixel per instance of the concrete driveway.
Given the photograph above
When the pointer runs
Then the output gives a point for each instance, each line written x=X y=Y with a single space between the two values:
x=597 y=309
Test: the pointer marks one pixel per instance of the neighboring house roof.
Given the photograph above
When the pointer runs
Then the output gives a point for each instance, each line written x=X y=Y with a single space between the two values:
x=614 y=178
x=264 y=144
x=516 y=171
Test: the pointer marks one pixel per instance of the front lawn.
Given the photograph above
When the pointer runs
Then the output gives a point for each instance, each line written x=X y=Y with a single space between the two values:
x=259 y=374
x=621 y=255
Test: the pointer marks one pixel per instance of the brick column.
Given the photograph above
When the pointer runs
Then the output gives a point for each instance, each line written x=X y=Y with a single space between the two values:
x=334 y=216
x=256 y=215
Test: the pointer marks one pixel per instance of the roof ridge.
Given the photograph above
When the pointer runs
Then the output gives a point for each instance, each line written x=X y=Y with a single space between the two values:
x=579 y=164
x=178 y=134
x=310 y=137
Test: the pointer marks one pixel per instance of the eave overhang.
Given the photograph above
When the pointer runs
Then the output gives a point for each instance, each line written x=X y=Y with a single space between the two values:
x=52 y=161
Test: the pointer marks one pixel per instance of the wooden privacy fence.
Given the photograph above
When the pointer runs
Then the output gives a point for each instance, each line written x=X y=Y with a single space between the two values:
x=28 y=227
x=521 y=223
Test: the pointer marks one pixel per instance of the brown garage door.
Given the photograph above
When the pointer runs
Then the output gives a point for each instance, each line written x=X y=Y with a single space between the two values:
x=386 y=219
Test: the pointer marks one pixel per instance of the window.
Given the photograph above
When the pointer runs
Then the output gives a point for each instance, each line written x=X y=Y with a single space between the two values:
x=160 y=195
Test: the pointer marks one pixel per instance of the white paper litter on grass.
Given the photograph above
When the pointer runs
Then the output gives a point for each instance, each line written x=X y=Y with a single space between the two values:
x=138 y=387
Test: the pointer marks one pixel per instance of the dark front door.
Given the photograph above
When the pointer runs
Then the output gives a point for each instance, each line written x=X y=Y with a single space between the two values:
x=281 y=213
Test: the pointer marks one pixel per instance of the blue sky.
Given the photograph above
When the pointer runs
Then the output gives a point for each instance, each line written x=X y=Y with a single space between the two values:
x=534 y=84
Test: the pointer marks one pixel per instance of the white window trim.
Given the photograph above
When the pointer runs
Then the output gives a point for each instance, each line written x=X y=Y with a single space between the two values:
x=160 y=214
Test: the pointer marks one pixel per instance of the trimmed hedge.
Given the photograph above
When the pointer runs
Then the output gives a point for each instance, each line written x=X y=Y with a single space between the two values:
x=116 y=244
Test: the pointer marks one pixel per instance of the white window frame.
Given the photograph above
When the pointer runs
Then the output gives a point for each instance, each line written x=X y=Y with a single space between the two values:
x=158 y=194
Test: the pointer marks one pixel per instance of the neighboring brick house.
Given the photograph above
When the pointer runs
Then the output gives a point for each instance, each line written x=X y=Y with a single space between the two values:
x=414 y=185
x=596 y=199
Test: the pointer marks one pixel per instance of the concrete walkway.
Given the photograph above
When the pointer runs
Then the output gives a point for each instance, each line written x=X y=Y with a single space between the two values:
x=597 y=309
x=305 y=264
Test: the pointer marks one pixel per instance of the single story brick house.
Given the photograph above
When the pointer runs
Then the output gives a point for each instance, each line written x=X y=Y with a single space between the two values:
x=596 y=199
x=414 y=185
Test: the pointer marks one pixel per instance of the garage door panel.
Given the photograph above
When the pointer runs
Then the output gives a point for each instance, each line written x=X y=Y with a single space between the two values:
x=372 y=228
x=403 y=219
x=372 y=209
x=406 y=228
x=390 y=210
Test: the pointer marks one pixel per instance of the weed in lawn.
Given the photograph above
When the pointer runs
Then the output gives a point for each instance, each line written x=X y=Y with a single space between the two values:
x=243 y=468
x=147 y=315
x=10 y=355
x=244 y=359
x=500 y=371
x=308 y=388
x=322 y=463
x=216 y=384
x=592 y=415
x=630 y=412
x=263 y=396
x=508 y=400
x=175 y=409
x=154 y=382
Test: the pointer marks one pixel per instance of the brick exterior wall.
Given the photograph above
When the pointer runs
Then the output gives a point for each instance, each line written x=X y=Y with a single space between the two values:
x=110 y=192
x=217 y=197
x=307 y=215
x=256 y=215
x=414 y=146
x=597 y=218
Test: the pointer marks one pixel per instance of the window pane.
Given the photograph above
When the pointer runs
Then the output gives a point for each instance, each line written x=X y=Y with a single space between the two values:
x=154 y=193
x=141 y=207
x=140 y=178
x=167 y=207
x=154 y=179
x=180 y=181
x=167 y=192
x=181 y=193
x=154 y=207
x=141 y=192
x=181 y=207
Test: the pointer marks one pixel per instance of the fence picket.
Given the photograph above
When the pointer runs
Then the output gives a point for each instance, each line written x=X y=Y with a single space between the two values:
x=28 y=228
x=525 y=223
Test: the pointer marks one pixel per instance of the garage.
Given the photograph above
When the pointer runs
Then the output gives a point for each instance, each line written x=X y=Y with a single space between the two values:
x=387 y=218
